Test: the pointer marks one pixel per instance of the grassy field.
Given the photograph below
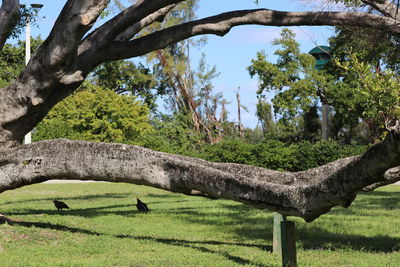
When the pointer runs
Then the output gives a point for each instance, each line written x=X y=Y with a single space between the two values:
x=103 y=228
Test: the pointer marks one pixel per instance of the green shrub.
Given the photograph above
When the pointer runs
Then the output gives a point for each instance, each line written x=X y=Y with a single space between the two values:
x=274 y=154
x=96 y=114
x=231 y=151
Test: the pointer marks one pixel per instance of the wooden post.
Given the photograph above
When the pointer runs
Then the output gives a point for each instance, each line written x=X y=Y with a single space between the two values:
x=284 y=240
x=276 y=244
x=288 y=241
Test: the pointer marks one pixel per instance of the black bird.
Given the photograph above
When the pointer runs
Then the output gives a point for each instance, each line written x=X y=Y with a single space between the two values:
x=60 y=205
x=142 y=207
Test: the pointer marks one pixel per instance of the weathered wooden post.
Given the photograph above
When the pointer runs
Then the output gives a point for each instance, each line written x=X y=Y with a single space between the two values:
x=284 y=240
x=276 y=244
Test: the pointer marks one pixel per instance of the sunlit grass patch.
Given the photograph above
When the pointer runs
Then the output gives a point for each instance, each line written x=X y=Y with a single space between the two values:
x=103 y=228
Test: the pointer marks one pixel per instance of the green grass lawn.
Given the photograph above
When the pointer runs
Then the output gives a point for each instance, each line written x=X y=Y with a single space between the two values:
x=103 y=228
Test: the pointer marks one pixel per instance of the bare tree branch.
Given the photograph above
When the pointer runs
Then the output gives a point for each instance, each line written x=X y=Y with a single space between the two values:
x=75 y=20
x=8 y=19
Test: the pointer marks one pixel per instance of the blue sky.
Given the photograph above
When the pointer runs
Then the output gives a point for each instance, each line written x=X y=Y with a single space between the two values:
x=232 y=53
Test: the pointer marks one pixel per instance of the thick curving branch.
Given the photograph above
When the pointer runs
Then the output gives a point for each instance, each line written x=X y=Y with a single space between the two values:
x=221 y=24
x=109 y=31
x=305 y=194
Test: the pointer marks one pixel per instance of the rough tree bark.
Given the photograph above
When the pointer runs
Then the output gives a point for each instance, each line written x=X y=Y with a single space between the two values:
x=71 y=52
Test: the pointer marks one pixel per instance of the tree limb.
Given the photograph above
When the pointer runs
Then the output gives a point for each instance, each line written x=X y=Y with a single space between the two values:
x=108 y=32
x=50 y=75
x=391 y=176
x=306 y=194
x=75 y=20
x=130 y=32
x=222 y=23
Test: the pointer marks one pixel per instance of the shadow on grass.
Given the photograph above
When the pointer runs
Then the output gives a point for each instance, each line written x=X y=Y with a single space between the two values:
x=245 y=221
x=379 y=200
x=319 y=238
x=86 y=197
x=83 y=212
x=167 y=241
x=238 y=218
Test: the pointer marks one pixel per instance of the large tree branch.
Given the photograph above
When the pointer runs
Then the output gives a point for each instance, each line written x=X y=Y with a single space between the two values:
x=8 y=19
x=222 y=23
x=305 y=194
x=74 y=21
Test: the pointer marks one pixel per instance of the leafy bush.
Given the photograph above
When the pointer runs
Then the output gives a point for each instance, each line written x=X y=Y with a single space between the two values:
x=274 y=154
x=231 y=151
x=96 y=114
x=310 y=155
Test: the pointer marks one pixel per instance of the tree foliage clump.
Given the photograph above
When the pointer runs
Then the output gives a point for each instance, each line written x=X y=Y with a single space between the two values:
x=124 y=76
x=369 y=94
x=97 y=114
x=295 y=84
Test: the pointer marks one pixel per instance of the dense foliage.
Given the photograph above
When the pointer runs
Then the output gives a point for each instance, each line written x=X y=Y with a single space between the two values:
x=274 y=154
x=96 y=114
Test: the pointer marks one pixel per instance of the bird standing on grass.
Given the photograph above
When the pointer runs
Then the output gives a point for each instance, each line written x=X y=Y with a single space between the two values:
x=60 y=205
x=142 y=207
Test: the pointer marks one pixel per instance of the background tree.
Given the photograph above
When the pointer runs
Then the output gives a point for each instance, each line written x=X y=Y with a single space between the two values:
x=189 y=90
x=311 y=125
x=374 y=95
x=295 y=82
x=264 y=115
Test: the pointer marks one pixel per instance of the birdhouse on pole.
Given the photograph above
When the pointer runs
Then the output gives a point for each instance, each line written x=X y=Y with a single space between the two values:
x=322 y=54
